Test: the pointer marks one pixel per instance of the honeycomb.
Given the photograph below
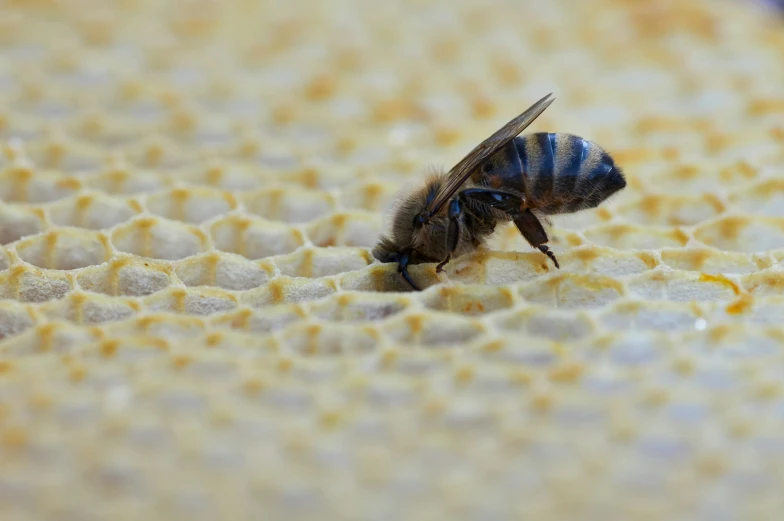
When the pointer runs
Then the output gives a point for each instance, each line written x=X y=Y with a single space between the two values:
x=192 y=325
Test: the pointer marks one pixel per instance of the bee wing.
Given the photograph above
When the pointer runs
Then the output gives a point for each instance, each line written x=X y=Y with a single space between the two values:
x=463 y=170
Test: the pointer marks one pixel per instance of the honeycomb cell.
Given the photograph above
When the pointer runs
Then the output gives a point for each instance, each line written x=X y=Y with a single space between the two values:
x=191 y=205
x=57 y=337
x=64 y=249
x=624 y=236
x=318 y=262
x=329 y=339
x=34 y=285
x=652 y=316
x=345 y=229
x=554 y=324
x=122 y=180
x=607 y=262
x=199 y=301
x=369 y=195
x=224 y=270
x=14 y=319
x=683 y=286
x=126 y=276
x=435 y=329
x=93 y=211
x=469 y=300
x=17 y=222
x=23 y=185
x=664 y=210
x=742 y=234
x=291 y=206
x=282 y=290
x=358 y=307
x=159 y=239
x=573 y=291
x=765 y=198
x=266 y=320
x=86 y=308
x=708 y=260
x=4 y=262
x=253 y=238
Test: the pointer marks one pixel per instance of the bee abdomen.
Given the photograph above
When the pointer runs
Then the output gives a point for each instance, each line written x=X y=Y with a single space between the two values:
x=566 y=173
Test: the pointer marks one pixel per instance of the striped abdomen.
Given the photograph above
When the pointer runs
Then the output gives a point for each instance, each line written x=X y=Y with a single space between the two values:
x=557 y=173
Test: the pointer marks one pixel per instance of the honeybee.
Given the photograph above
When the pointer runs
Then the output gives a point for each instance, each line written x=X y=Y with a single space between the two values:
x=506 y=178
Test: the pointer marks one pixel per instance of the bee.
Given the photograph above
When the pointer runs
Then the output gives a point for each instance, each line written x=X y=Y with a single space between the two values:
x=507 y=177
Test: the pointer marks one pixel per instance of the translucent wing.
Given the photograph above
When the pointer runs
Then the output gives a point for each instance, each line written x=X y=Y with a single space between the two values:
x=463 y=170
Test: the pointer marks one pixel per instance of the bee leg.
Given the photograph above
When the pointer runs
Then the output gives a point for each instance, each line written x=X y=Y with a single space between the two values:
x=534 y=233
x=402 y=268
x=512 y=205
x=453 y=232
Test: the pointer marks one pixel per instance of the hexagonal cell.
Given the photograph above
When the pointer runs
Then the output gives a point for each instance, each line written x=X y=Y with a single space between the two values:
x=514 y=350
x=708 y=260
x=763 y=198
x=93 y=211
x=322 y=262
x=369 y=195
x=50 y=337
x=14 y=319
x=284 y=290
x=548 y=323
x=126 y=276
x=17 y=222
x=574 y=291
x=193 y=301
x=677 y=210
x=122 y=181
x=682 y=286
x=656 y=316
x=224 y=270
x=28 y=284
x=432 y=329
x=469 y=300
x=254 y=238
x=4 y=262
x=192 y=204
x=496 y=268
x=159 y=239
x=64 y=249
x=597 y=260
x=27 y=186
x=385 y=277
x=223 y=175
x=768 y=283
x=625 y=236
x=329 y=339
x=741 y=233
x=266 y=320
x=345 y=229
x=358 y=307
x=289 y=205
x=85 y=308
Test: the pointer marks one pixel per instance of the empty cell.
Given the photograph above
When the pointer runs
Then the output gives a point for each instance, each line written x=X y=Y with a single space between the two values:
x=329 y=339
x=573 y=291
x=93 y=211
x=547 y=323
x=14 y=319
x=192 y=204
x=64 y=249
x=126 y=276
x=682 y=286
x=767 y=283
x=385 y=277
x=432 y=329
x=743 y=234
x=653 y=316
x=283 y=290
x=625 y=236
x=677 y=210
x=17 y=222
x=224 y=270
x=346 y=229
x=708 y=260
x=497 y=268
x=765 y=198
x=125 y=181
x=322 y=262
x=33 y=285
x=254 y=238
x=608 y=262
x=289 y=205
x=204 y=301
x=86 y=308
x=159 y=239
x=266 y=320
x=370 y=195
x=23 y=185
x=469 y=300
x=522 y=350
x=358 y=307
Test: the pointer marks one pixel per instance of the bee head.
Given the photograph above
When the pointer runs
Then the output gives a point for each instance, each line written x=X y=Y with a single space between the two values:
x=386 y=250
